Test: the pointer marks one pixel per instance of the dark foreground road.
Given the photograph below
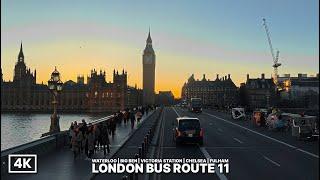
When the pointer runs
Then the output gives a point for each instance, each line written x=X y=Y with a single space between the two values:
x=253 y=154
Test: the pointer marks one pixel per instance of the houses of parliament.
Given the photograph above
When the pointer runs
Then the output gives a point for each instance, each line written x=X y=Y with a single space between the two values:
x=23 y=94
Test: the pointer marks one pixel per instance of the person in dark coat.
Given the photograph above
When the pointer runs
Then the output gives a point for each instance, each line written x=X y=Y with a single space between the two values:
x=120 y=117
x=126 y=116
x=113 y=125
x=138 y=115
x=132 y=119
x=104 y=138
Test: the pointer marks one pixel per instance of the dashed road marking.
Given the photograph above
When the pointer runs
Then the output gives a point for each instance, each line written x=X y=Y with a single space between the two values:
x=238 y=140
x=275 y=163
x=176 y=112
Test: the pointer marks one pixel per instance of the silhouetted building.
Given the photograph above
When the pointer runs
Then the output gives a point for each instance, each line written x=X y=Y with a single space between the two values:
x=165 y=98
x=299 y=92
x=23 y=94
x=135 y=96
x=218 y=93
x=259 y=92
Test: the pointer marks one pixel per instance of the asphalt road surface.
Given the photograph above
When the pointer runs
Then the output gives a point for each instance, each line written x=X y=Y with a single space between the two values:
x=253 y=153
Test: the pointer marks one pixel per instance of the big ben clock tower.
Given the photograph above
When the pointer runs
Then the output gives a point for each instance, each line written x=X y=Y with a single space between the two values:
x=149 y=65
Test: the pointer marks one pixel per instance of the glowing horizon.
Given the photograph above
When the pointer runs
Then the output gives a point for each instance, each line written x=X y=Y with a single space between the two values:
x=107 y=38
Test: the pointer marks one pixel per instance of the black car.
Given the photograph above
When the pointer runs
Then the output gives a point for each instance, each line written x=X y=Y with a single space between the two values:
x=188 y=130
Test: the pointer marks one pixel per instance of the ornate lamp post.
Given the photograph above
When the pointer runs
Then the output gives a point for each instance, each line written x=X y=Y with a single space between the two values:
x=55 y=87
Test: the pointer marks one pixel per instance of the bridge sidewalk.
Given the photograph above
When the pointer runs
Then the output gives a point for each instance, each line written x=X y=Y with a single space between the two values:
x=61 y=165
x=130 y=148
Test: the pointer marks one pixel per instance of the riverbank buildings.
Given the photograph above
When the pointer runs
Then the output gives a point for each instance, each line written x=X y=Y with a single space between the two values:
x=218 y=93
x=23 y=94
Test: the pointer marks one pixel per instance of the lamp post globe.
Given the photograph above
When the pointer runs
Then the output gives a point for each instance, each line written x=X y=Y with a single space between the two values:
x=55 y=87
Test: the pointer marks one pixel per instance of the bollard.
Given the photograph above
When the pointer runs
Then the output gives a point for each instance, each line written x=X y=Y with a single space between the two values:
x=152 y=132
x=143 y=149
x=140 y=152
x=131 y=176
x=148 y=139
x=146 y=142
x=136 y=156
x=124 y=177
x=145 y=146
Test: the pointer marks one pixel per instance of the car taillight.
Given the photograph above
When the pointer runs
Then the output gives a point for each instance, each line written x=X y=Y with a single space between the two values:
x=201 y=132
x=179 y=133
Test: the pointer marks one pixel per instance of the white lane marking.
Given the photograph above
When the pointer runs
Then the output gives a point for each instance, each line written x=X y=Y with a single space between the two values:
x=176 y=112
x=238 y=140
x=219 y=129
x=281 y=142
x=311 y=154
x=207 y=155
x=277 y=164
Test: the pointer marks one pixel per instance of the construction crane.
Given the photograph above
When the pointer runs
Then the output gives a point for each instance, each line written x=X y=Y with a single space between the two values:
x=275 y=58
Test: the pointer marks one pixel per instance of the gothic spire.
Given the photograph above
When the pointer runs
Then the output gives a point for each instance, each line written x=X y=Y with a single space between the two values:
x=21 y=56
x=149 y=40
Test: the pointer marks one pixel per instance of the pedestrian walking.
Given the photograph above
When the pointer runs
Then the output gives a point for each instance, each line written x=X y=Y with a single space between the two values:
x=76 y=139
x=104 y=138
x=90 y=141
x=113 y=126
x=132 y=119
x=126 y=116
x=138 y=116
x=71 y=132
x=97 y=134
x=75 y=125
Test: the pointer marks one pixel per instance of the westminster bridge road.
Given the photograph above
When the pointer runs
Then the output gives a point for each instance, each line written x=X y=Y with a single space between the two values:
x=253 y=153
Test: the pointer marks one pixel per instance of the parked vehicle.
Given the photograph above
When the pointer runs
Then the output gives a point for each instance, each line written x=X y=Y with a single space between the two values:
x=238 y=113
x=188 y=130
x=305 y=127
x=195 y=105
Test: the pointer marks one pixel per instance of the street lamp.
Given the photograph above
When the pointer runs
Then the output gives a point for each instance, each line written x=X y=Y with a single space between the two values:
x=55 y=87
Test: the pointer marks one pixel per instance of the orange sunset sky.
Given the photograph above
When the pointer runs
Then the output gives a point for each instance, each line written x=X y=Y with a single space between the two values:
x=200 y=38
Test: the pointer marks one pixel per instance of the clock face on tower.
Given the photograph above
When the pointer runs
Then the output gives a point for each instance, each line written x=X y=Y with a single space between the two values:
x=148 y=59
